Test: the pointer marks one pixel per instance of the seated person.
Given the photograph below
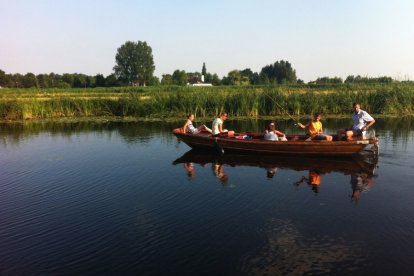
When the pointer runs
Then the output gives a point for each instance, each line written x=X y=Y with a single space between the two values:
x=218 y=129
x=189 y=127
x=315 y=129
x=361 y=122
x=272 y=134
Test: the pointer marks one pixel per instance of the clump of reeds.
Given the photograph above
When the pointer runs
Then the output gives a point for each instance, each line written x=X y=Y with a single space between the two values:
x=173 y=101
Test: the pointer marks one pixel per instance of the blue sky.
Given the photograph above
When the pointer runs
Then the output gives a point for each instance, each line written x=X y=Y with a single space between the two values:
x=319 y=38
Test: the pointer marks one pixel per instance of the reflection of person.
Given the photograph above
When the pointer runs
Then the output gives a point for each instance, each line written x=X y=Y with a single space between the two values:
x=314 y=180
x=272 y=134
x=362 y=121
x=190 y=169
x=218 y=129
x=315 y=128
x=271 y=172
x=218 y=171
x=189 y=127
x=360 y=182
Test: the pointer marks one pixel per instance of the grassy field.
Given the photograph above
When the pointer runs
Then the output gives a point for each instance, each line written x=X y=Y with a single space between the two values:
x=205 y=102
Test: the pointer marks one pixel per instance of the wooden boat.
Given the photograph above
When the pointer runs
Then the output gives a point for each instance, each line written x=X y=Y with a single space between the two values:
x=296 y=144
x=350 y=165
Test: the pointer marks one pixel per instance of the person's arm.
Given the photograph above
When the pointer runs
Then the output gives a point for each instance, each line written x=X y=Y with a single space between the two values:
x=305 y=126
x=220 y=127
x=279 y=133
x=368 y=125
x=367 y=118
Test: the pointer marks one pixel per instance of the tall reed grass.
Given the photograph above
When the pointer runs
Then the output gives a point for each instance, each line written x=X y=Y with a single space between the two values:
x=175 y=101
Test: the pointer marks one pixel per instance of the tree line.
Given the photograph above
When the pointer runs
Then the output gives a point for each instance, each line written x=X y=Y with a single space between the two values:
x=135 y=67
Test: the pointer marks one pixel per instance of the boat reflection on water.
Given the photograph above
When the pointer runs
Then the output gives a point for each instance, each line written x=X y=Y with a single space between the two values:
x=361 y=168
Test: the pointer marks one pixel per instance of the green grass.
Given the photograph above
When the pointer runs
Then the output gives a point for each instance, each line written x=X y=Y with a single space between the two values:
x=176 y=101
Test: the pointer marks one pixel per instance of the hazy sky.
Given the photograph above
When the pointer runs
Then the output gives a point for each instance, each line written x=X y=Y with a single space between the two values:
x=319 y=38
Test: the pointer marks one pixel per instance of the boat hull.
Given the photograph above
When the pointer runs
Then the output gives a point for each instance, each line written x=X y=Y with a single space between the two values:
x=295 y=145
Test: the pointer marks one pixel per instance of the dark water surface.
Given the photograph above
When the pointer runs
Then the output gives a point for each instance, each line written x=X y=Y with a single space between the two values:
x=106 y=198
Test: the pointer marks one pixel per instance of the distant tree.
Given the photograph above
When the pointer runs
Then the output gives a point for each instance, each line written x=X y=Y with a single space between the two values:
x=63 y=85
x=67 y=78
x=368 y=80
x=253 y=77
x=385 y=79
x=328 y=80
x=167 y=79
x=17 y=80
x=236 y=78
x=112 y=81
x=79 y=81
x=54 y=80
x=90 y=81
x=154 y=81
x=5 y=80
x=204 y=70
x=134 y=63
x=193 y=77
x=179 y=77
x=350 y=79
x=299 y=81
x=278 y=73
x=100 y=80
x=43 y=80
x=29 y=80
x=215 y=80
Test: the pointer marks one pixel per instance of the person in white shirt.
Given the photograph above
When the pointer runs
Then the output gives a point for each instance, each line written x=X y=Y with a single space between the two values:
x=218 y=129
x=362 y=121
x=272 y=134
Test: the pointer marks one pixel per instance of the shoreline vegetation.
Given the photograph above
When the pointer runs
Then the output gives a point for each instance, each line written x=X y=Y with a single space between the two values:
x=174 y=102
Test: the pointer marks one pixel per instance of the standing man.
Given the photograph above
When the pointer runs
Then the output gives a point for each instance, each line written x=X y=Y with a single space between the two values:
x=362 y=121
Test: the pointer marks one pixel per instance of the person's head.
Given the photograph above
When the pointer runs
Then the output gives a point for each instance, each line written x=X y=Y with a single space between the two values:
x=190 y=116
x=272 y=126
x=223 y=116
x=271 y=173
x=317 y=116
x=356 y=107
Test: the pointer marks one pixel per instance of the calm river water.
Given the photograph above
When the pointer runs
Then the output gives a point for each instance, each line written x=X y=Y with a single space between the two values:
x=105 y=198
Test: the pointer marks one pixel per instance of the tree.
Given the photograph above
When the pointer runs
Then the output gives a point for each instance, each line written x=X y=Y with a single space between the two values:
x=5 y=80
x=100 y=80
x=215 y=80
x=134 y=63
x=278 y=73
x=112 y=81
x=236 y=78
x=193 y=77
x=67 y=78
x=54 y=80
x=29 y=80
x=17 y=80
x=167 y=79
x=79 y=81
x=328 y=80
x=43 y=80
x=179 y=77
x=204 y=70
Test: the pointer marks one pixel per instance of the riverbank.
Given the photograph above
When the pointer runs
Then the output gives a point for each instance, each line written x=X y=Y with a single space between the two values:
x=174 y=102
